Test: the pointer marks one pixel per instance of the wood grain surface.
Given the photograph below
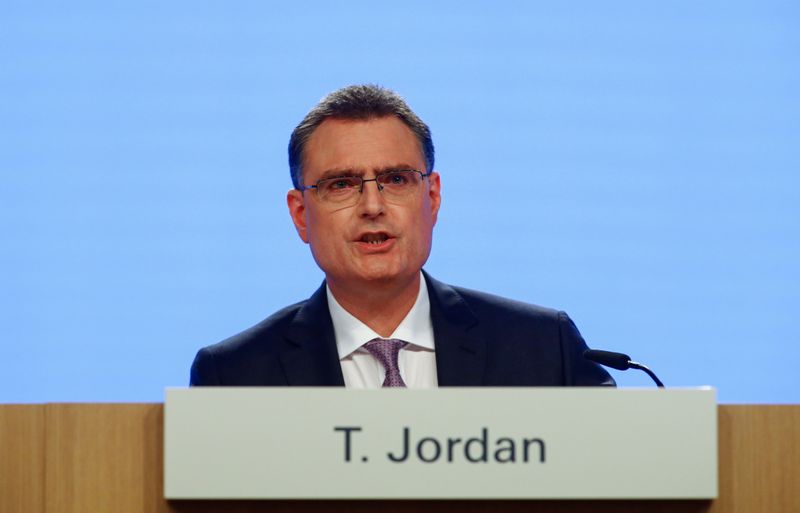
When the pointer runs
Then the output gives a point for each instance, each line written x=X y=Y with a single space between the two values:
x=104 y=458
x=22 y=454
x=759 y=459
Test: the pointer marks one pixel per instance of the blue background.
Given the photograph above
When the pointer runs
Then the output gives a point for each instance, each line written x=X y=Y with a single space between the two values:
x=633 y=163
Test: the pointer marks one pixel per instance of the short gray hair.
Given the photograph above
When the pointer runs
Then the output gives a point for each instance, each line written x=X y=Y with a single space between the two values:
x=357 y=102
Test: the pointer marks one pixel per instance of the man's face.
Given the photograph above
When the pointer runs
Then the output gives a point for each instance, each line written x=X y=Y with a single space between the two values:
x=339 y=236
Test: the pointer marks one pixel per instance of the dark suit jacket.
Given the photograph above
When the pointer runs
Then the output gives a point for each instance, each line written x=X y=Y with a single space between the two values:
x=481 y=340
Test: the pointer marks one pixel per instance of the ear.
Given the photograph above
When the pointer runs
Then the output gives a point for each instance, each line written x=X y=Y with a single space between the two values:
x=435 y=194
x=297 y=210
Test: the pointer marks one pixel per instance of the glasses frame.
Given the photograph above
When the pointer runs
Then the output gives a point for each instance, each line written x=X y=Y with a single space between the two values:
x=364 y=180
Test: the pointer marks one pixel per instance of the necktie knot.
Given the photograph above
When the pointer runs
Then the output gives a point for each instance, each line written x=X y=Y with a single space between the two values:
x=386 y=351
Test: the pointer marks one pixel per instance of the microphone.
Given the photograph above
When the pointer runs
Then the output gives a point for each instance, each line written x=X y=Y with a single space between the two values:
x=619 y=361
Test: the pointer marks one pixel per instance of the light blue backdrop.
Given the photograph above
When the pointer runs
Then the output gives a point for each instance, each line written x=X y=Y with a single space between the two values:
x=634 y=163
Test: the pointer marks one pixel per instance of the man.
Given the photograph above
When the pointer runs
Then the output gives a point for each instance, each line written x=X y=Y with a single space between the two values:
x=365 y=200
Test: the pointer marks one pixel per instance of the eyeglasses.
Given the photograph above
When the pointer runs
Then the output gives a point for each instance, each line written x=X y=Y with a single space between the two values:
x=343 y=191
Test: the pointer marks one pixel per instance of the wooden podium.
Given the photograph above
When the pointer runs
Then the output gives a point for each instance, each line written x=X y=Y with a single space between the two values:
x=98 y=458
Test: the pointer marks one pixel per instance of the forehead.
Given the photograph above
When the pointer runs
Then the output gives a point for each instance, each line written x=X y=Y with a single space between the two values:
x=361 y=146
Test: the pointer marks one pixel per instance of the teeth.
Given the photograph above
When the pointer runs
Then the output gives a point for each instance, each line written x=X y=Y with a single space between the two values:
x=374 y=238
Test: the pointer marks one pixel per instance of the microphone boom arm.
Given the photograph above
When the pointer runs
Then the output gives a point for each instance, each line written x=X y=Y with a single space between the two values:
x=637 y=365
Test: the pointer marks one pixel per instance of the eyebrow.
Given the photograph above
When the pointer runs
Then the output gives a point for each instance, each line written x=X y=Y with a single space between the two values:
x=340 y=172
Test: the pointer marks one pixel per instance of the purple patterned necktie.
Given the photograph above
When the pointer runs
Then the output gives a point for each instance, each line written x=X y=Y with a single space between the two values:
x=385 y=350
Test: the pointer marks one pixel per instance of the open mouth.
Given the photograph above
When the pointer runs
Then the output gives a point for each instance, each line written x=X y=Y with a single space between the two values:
x=374 y=238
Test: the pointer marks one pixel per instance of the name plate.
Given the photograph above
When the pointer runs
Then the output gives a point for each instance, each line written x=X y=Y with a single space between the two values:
x=449 y=443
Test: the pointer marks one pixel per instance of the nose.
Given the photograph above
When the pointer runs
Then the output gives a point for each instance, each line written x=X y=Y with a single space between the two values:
x=371 y=202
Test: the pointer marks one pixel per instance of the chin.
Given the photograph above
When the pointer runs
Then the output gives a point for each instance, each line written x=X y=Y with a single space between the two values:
x=379 y=277
x=381 y=273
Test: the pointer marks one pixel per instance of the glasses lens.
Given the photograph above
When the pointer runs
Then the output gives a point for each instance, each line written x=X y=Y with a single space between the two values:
x=399 y=183
x=340 y=189
x=344 y=190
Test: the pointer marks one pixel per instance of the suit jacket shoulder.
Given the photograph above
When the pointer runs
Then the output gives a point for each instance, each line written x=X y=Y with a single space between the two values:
x=506 y=342
x=294 y=346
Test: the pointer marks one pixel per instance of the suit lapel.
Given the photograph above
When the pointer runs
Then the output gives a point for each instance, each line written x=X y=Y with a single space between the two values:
x=309 y=356
x=460 y=352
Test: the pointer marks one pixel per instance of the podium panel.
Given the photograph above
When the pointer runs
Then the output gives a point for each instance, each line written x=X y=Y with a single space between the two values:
x=451 y=443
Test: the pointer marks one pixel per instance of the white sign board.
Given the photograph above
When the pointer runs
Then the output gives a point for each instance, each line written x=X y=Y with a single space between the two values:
x=449 y=443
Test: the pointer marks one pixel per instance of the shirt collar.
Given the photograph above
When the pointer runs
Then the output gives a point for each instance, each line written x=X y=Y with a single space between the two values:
x=416 y=328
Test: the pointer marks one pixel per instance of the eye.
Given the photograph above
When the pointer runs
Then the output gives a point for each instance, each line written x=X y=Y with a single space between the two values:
x=396 y=178
x=340 y=184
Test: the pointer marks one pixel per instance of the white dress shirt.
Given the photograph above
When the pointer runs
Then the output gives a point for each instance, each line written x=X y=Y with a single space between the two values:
x=417 y=360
